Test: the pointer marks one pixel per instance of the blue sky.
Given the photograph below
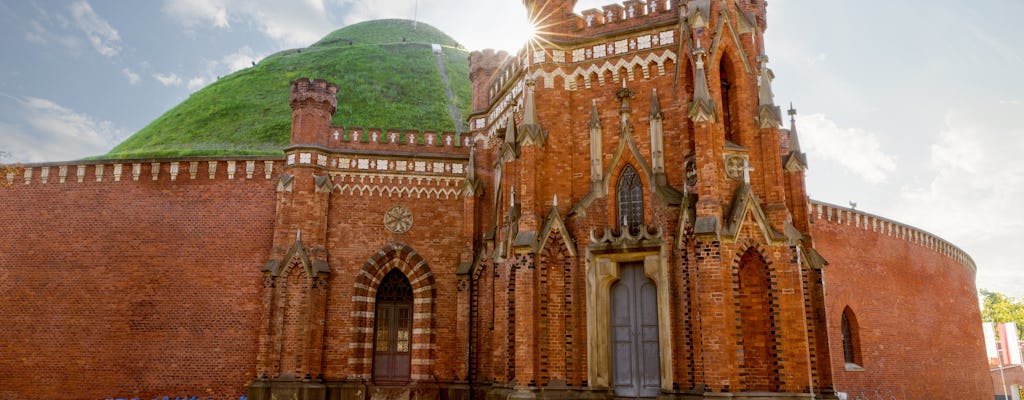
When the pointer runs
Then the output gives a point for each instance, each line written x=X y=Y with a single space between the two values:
x=911 y=109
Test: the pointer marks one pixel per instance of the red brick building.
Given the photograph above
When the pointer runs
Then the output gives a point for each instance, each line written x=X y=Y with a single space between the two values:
x=625 y=217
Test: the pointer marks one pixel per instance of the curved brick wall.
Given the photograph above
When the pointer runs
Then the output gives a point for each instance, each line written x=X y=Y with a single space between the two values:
x=915 y=302
x=123 y=287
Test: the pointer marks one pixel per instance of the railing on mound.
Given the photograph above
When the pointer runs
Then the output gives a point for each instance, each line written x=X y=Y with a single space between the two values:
x=831 y=213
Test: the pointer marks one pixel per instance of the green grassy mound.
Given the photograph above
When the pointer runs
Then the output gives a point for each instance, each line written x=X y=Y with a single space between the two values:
x=383 y=82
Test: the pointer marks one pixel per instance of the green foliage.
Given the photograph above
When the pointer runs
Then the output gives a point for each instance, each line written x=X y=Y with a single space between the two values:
x=998 y=307
x=6 y=169
x=382 y=83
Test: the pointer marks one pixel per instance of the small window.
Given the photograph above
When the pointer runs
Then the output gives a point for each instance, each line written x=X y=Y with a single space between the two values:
x=631 y=200
x=730 y=107
x=851 y=341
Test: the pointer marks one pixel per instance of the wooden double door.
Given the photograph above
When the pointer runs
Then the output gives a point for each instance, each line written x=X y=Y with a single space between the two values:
x=392 y=347
x=636 y=357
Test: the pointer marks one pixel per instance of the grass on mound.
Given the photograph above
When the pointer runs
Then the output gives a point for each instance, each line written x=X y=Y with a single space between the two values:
x=381 y=83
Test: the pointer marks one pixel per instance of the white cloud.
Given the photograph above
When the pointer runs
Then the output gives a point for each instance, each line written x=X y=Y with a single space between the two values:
x=195 y=83
x=362 y=10
x=856 y=150
x=817 y=58
x=103 y=37
x=133 y=78
x=40 y=35
x=191 y=13
x=168 y=79
x=976 y=176
x=972 y=198
x=44 y=123
x=290 y=23
x=241 y=59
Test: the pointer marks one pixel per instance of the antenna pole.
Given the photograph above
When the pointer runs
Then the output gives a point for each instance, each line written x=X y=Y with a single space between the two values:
x=415 y=12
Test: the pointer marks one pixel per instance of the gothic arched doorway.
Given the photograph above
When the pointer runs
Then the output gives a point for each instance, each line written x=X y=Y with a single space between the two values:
x=392 y=344
x=636 y=358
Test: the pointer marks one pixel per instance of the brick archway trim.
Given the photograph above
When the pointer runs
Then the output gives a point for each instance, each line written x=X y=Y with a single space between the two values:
x=364 y=297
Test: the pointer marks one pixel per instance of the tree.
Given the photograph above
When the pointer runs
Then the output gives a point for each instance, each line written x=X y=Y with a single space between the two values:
x=7 y=169
x=998 y=307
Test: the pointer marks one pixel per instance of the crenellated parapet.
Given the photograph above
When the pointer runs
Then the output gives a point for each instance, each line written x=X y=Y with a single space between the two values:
x=141 y=170
x=621 y=16
x=825 y=213
x=313 y=103
x=314 y=92
x=426 y=141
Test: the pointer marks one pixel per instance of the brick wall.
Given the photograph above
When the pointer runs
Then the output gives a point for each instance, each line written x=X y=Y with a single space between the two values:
x=131 y=288
x=1011 y=375
x=915 y=305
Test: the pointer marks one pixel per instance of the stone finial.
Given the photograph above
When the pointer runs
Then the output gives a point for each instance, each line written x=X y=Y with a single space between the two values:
x=510 y=129
x=530 y=132
x=657 y=135
x=655 y=105
x=703 y=107
x=768 y=114
x=624 y=94
x=596 y=164
x=529 y=107
x=699 y=13
x=794 y=139
x=796 y=160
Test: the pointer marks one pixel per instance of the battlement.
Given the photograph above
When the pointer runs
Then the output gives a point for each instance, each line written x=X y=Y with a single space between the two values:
x=618 y=31
x=621 y=16
x=825 y=213
x=140 y=170
x=354 y=137
x=304 y=90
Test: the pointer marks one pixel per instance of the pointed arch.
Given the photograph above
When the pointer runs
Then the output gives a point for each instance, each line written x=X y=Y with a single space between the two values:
x=728 y=98
x=555 y=277
x=629 y=200
x=293 y=290
x=392 y=329
x=850 y=332
x=757 y=323
x=404 y=259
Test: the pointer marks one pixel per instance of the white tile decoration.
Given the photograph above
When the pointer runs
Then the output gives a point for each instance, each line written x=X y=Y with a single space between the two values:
x=578 y=55
x=558 y=56
x=667 y=37
x=621 y=47
x=643 y=42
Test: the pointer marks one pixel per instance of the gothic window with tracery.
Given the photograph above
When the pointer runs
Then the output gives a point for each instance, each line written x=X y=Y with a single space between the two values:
x=630 y=200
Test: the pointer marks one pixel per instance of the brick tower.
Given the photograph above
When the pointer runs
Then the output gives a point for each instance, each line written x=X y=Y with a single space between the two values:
x=644 y=225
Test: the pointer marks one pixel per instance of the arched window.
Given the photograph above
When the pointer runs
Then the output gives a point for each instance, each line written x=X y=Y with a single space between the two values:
x=851 y=339
x=392 y=344
x=631 y=200
x=729 y=106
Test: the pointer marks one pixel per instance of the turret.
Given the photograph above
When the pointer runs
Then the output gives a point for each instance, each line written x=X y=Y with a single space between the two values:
x=313 y=104
x=551 y=18
x=482 y=65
